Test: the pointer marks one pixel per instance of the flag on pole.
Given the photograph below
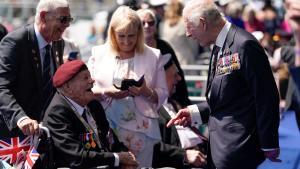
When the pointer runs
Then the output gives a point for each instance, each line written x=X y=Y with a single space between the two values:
x=12 y=148
x=31 y=157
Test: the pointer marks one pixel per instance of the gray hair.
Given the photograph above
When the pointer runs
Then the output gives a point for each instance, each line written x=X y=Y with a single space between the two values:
x=49 y=5
x=195 y=9
x=149 y=12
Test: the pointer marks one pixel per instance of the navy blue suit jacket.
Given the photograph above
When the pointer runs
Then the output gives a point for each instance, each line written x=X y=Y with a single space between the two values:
x=244 y=104
x=21 y=78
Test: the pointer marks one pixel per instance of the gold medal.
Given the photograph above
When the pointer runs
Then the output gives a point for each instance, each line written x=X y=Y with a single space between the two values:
x=88 y=145
x=92 y=137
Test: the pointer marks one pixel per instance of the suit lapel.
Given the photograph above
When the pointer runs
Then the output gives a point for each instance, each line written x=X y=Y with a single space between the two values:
x=230 y=37
x=34 y=56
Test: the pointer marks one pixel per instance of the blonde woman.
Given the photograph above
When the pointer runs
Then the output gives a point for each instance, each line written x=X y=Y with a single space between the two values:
x=132 y=111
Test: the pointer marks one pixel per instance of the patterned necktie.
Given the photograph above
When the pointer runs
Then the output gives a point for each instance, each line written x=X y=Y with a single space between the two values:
x=213 y=65
x=46 y=77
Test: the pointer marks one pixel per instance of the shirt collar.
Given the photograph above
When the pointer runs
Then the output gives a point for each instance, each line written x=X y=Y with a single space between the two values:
x=78 y=108
x=41 y=41
x=222 y=35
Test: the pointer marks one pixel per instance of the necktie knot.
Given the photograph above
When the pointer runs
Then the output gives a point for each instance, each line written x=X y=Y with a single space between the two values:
x=84 y=115
x=47 y=47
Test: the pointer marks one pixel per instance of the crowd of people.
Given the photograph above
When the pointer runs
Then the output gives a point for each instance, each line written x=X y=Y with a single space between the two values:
x=128 y=105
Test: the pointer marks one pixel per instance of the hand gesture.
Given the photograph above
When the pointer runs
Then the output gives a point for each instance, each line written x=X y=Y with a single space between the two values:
x=195 y=157
x=127 y=159
x=183 y=117
x=29 y=126
x=273 y=155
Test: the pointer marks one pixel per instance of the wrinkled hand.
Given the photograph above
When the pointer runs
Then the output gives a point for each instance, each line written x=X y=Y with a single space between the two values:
x=273 y=155
x=183 y=117
x=127 y=159
x=111 y=92
x=29 y=126
x=196 y=158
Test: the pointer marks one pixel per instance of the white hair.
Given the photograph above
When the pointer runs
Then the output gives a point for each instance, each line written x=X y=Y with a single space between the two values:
x=195 y=9
x=142 y=12
x=48 y=6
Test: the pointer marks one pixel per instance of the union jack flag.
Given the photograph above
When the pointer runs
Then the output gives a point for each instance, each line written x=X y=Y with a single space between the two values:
x=12 y=148
x=31 y=157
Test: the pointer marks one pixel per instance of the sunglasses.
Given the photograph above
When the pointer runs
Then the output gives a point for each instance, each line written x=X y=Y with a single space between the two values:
x=150 y=23
x=65 y=19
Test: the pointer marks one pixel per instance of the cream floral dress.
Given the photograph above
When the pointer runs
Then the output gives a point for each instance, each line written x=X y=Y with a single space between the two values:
x=138 y=132
x=134 y=119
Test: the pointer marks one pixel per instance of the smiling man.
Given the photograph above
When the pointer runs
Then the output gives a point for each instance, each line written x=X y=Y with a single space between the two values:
x=241 y=92
x=76 y=121
x=28 y=58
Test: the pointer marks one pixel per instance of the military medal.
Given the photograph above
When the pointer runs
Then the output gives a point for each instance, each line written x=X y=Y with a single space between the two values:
x=88 y=145
x=92 y=136
x=93 y=144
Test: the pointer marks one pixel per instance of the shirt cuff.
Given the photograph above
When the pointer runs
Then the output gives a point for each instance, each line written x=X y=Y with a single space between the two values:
x=21 y=119
x=196 y=119
x=269 y=149
x=117 y=160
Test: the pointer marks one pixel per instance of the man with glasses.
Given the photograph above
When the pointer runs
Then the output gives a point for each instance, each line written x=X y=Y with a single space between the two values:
x=29 y=56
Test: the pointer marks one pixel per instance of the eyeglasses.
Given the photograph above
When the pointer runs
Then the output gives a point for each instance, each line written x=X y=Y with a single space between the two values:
x=65 y=19
x=150 y=23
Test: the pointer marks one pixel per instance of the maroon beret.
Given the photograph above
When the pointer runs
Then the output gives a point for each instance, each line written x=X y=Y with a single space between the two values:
x=67 y=71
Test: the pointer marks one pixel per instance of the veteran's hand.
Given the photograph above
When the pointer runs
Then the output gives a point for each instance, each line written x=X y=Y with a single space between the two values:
x=29 y=126
x=183 y=118
x=127 y=159
x=195 y=157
